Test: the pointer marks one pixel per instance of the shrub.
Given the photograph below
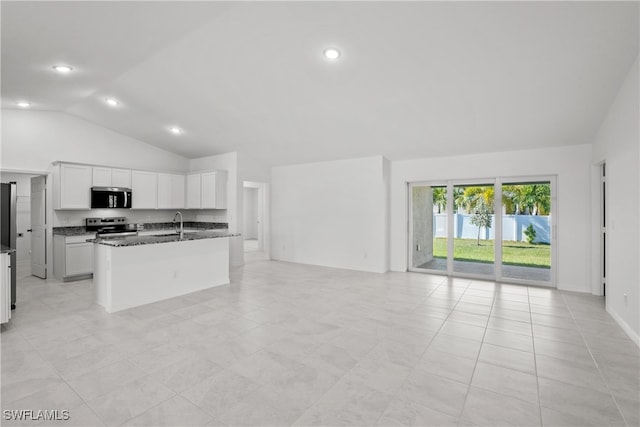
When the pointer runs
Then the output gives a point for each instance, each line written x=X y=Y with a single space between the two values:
x=530 y=232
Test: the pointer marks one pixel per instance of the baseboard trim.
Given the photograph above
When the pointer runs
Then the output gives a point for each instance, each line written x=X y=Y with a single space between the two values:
x=625 y=327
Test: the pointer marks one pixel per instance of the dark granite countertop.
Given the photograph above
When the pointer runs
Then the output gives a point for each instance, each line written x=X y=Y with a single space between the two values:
x=80 y=230
x=187 y=224
x=151 y=240
x=5 y=249
x=71 y=231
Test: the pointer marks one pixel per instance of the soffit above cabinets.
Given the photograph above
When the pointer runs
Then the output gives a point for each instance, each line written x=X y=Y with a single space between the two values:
x=414 y=79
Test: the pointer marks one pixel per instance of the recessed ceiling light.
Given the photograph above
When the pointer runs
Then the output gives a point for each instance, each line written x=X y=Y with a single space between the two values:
x=331 y=53
x=175 y=130
x=62 y=68
x=112 y=102
x=24 y=104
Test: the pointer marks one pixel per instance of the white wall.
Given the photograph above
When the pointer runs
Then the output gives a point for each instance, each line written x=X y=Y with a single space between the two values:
x=250 y=229
x=252 y=169
x=32 y=140
x=617 y=144
x=331 y=213
x=228 y=162
x=572 y=165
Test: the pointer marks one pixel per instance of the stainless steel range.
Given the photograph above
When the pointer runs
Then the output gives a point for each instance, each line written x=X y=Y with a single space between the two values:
x=111 y=227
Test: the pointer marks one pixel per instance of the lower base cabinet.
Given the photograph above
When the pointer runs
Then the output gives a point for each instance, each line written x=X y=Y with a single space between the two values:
x=72 y=257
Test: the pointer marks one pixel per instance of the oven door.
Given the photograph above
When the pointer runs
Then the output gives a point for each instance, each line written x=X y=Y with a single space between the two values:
x=110 y=198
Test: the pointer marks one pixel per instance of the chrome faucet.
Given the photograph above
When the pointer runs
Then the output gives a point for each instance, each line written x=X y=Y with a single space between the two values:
x=181 y=224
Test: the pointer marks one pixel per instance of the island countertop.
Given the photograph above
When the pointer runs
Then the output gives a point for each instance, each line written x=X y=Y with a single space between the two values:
x=164 y=238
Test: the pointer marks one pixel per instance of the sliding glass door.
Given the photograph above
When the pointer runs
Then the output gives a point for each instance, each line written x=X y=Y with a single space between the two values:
x=526 y=230
x=499 y=229
x=473 y=225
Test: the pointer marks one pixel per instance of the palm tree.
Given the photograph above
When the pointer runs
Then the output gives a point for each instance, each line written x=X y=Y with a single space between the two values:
x=440 y=198
x=472 y=196
x=531 y=199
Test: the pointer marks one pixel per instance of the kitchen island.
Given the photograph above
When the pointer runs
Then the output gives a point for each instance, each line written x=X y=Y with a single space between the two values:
x=137 y=270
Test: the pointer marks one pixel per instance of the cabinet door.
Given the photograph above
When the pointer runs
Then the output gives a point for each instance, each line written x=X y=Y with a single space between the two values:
x=214 y=194
x=177 y=191
x=78 y=259
x=75 y=186
x=164 y=191
x=221 y=190
x=144 y=190
x=193 y=191
x=208 y=200
x=101 y=177
x=121 y=178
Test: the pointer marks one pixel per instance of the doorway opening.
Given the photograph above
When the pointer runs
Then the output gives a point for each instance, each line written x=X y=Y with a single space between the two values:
x=255 y=224
x=30 y=222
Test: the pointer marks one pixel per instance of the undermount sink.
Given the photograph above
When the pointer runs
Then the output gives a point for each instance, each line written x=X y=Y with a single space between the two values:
x=171 y=234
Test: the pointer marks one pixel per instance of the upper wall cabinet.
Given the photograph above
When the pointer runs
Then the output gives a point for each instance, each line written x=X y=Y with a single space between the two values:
x=72 y=186
x=101 y=177
x=150 y=190
x=207 y=190
x=109 y=177
x=171 y=191
x=214 y=190
x=193 y=191
x=144 y=190
x=121 y=178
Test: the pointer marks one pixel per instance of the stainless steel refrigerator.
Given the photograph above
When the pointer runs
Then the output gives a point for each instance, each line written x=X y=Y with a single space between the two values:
x=8 y=231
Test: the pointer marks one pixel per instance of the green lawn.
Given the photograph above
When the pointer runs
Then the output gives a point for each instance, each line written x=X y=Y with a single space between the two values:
x=513 y=253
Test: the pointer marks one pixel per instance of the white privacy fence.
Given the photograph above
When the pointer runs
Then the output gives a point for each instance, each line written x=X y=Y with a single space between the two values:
x=513 y=227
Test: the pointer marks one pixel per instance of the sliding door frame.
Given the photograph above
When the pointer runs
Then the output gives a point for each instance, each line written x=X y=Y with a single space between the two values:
x=497 y=182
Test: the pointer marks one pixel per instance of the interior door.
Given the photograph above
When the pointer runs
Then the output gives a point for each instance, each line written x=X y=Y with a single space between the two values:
x=38 y=227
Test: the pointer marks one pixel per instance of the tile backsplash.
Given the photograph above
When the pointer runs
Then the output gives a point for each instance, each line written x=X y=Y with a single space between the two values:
x=67 y=218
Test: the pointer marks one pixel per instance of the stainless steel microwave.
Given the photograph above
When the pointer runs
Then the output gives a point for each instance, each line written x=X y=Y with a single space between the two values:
x=110 y=198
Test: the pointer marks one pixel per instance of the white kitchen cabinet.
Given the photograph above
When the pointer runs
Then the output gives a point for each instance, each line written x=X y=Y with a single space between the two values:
x=5 y=287
x=177 y=191
x=121 y=178
x=193 y=191
x=73 y=190
x=109 y=177
x=144 y=190
x=72 y=257
x=213 y=190
x=101 y=177
x=171 y=191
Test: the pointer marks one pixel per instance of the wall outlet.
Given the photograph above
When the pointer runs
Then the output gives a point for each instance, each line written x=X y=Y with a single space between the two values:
x=418 y=248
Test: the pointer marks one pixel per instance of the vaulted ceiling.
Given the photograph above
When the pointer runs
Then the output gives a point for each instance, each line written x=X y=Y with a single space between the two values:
x=415 y=79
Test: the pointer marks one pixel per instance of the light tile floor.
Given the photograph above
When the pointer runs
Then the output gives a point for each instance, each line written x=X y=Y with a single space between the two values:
x=288 y=344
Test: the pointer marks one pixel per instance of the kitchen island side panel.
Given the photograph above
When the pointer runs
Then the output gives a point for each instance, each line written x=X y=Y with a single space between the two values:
x=142 y=274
